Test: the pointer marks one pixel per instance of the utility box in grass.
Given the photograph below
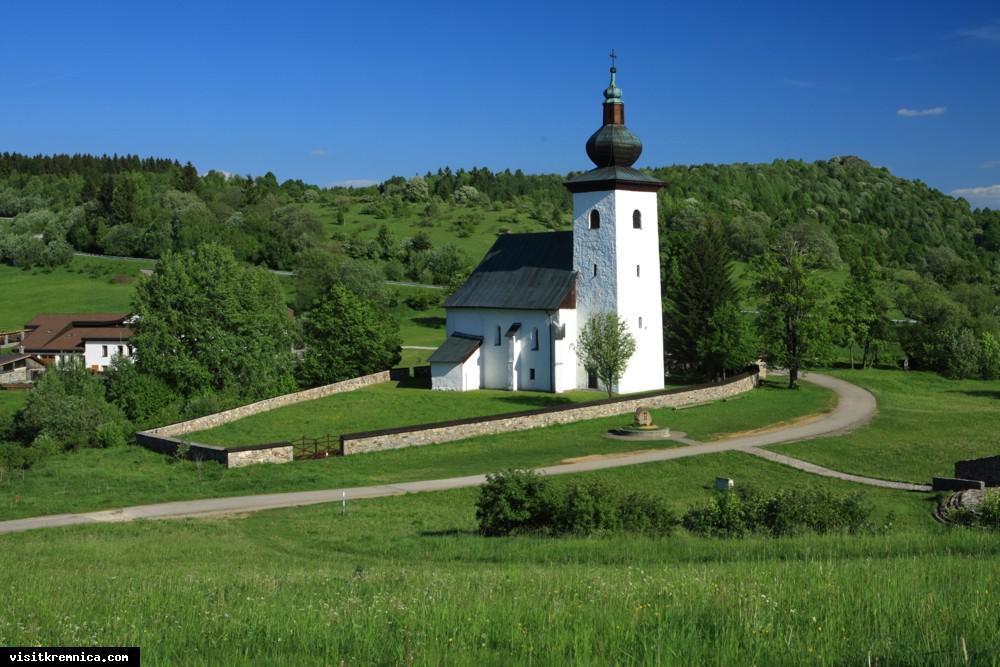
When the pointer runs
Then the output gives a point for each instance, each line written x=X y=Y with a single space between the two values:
x=723 y=484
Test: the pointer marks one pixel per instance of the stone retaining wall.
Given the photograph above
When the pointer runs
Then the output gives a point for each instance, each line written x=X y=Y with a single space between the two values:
x=220 y=418
x=429 y=434
x=233 y=457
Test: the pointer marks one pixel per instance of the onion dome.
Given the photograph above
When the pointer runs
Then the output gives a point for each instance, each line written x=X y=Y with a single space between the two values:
x=613 y=145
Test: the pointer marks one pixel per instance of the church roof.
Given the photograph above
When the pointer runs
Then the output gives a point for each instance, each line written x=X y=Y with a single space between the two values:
x=613 y=178
x=455 y=349
x=521 y=272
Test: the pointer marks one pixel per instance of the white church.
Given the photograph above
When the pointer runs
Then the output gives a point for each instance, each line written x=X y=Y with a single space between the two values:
x=513 y=324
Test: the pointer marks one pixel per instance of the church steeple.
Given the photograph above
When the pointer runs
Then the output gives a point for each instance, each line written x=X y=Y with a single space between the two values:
x=613 y=144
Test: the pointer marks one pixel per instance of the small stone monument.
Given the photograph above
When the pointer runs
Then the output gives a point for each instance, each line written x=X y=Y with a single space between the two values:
x=643 y=419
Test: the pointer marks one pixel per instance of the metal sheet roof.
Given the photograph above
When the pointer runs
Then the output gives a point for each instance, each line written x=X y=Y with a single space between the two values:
x=608 y=178
x=521 y=272
x=455 y=349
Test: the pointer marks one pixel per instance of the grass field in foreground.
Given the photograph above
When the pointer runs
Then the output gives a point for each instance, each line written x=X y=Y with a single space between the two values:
x=407 y=581
x=99 y=479
x=924 y=424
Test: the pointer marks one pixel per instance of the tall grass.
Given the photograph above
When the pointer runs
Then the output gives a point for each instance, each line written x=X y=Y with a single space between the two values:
x=406 y=581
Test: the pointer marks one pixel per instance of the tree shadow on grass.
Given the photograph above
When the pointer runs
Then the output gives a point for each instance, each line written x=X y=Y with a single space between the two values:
x=433 y=322
x=977 y=393
x=415 y=383
x=534 y=402
x=451 y=532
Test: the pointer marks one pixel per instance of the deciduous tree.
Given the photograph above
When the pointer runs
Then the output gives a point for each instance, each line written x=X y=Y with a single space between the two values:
x=605 y=346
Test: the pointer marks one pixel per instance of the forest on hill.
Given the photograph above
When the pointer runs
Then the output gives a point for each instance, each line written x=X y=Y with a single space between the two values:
x=935 y=260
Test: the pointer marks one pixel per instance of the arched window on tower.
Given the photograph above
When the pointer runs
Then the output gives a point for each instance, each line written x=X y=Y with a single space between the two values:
x=595 y=219
x=636 y=219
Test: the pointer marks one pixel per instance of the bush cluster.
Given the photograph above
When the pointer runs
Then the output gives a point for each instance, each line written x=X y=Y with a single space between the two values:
x=782 y=513
x=521 y=501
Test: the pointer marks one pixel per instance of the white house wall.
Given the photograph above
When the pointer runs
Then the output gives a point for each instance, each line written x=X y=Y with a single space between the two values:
x=446 y=377
x=494 y=358
x=93 y=353
x=565 y=349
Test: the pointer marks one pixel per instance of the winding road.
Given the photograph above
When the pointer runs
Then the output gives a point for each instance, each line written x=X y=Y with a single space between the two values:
x=855 y=407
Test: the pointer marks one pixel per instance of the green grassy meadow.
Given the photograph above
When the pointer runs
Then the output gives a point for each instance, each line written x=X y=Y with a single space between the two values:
x=386 y=405
x=10 y=402
x=924 y=424
x=406 y=580
x=93 y=479
x=366 y=410
x=87 y=284
x=440 y=228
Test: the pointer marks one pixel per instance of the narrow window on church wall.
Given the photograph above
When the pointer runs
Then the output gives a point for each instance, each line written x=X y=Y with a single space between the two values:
x=636 y=270
x=640 y=322
x=496 y=336
x=636 y=219
x=595 y=219
x=595 y=270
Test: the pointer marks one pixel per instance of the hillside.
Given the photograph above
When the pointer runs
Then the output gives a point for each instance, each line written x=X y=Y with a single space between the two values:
x=937 y=260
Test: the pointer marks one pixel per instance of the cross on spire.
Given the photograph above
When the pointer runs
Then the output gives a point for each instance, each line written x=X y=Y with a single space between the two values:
x=613 y=56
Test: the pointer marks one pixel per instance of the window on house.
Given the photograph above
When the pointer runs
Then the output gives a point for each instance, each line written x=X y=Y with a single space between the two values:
x=595 y=219
x=121 y=350
x=104 y=350
x=496 y=336
x=534 y=338
x=636 y=219
x=595 y=270
x=531 y=373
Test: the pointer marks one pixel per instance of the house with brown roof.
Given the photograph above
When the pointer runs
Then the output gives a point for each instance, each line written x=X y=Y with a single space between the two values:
x=18 y=368
x=97 y=338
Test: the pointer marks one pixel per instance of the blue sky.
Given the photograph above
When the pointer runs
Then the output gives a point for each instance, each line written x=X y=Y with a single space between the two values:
x=337 y=92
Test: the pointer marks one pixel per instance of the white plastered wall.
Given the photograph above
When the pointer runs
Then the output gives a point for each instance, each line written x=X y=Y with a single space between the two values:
x=494 y=359
x=93 y=352
x=616 y=248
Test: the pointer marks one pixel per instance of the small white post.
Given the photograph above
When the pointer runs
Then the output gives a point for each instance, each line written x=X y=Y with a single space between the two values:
x=343 y=501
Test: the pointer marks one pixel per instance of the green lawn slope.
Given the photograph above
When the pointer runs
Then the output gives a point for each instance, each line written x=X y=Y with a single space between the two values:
x=925 y=423
x=94 y=479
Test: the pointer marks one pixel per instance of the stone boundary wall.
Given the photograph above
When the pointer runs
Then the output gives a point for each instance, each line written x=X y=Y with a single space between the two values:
x=429 y=434
x=232 y=457
x=220 y=418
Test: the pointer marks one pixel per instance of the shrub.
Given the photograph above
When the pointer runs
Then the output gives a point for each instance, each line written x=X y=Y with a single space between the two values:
x=67 y=405
x=786 y=512
x=521 y=501
x=109 y=434
x=512 y=501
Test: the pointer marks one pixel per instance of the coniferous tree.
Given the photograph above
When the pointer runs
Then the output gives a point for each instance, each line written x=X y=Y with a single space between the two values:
x=702 y=307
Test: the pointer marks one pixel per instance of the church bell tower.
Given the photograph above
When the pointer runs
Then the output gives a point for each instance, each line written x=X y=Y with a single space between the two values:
x=616 y=244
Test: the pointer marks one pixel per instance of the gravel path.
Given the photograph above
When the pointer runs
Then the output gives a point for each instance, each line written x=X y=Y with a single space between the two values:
x=855 y=407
